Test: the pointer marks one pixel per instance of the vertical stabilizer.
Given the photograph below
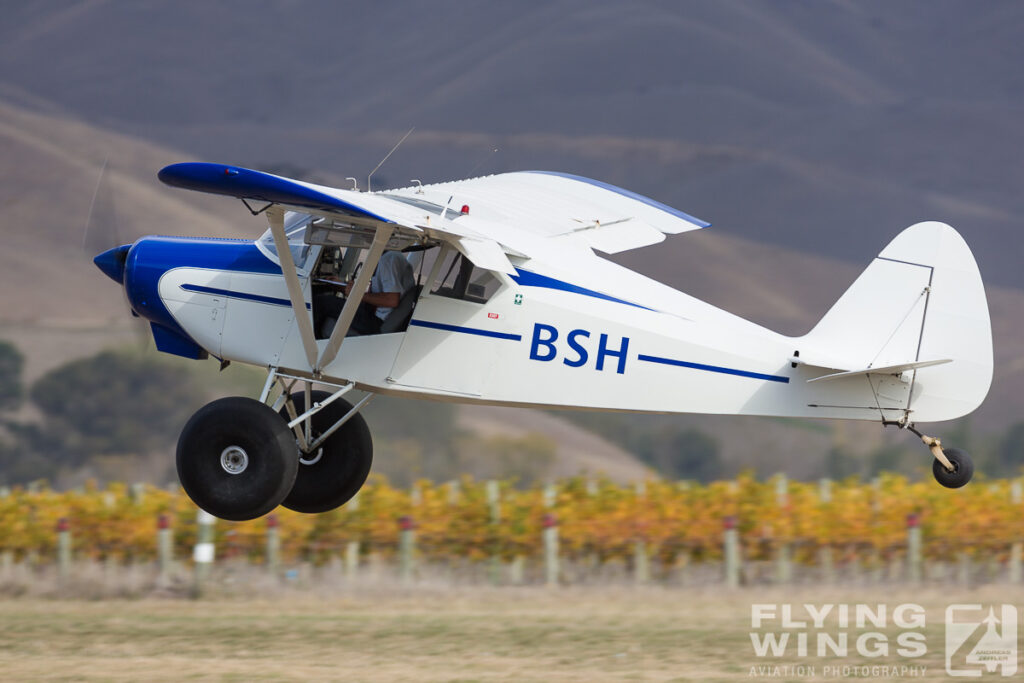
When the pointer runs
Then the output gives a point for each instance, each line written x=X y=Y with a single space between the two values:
x=920 y=300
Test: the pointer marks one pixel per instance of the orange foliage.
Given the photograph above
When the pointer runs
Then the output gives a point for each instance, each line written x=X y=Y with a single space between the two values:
x=597 y=520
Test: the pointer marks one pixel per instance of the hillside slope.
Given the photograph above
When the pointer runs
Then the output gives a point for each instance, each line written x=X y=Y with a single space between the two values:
x=779 y=122
x=57 y=306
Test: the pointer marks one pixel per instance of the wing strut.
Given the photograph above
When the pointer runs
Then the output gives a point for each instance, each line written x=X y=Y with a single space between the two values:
x=348 y=312
x=275 y=216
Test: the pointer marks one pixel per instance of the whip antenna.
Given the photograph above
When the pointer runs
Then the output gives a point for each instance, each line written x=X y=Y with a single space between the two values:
x=369 y=188
x=487 y=157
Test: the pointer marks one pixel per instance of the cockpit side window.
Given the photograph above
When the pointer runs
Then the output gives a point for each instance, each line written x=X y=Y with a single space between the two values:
x=459 y=278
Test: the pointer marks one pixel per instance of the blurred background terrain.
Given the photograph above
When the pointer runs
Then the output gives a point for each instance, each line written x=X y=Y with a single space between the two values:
x=808 y=133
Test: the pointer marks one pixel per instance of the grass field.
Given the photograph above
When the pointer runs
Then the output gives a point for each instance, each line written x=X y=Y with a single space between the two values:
x=437 y=635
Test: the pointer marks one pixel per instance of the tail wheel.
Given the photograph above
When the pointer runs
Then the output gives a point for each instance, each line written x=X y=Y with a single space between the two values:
x=237 y=459
x=963 y=469
x=331 y=475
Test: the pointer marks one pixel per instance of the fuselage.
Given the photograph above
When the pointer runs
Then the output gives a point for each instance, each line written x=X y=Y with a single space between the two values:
x=552 y=336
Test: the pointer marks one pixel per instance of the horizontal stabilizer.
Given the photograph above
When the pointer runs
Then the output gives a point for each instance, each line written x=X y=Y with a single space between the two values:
x=884 y=370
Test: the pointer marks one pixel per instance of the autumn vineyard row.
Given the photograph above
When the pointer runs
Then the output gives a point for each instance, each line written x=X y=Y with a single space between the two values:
x=595 y=519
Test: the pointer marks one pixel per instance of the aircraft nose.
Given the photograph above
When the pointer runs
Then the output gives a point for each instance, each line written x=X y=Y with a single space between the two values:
x=112 y=262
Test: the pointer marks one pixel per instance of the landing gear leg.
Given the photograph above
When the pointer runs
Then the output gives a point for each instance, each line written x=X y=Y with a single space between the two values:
x=952 y=467
x=335 y=450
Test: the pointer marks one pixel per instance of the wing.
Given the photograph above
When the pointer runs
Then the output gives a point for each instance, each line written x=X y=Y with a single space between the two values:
x=551 y=220
x=531 y=213
x=559 y=205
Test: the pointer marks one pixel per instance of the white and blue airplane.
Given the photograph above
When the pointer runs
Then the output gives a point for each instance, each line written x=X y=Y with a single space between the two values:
x=513 y=306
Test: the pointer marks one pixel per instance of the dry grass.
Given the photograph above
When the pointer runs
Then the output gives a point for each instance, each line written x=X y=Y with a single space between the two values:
x=425 y=635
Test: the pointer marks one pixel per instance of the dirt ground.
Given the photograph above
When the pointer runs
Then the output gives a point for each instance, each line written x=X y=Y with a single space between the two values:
x=513 y=634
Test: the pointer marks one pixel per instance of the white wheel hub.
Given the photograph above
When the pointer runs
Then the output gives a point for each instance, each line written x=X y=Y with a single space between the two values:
x=234 y=459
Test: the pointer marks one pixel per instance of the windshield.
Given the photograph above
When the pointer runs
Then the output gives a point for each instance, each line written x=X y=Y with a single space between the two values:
x=295 y=228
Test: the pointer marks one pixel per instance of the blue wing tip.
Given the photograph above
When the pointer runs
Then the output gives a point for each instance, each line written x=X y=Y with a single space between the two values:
x=244 y=183
x=186 y=174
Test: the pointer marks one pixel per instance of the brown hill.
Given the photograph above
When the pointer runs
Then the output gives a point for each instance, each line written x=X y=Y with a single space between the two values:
x=772 y=119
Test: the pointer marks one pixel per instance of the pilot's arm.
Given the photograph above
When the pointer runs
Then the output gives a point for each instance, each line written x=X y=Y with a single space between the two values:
x=386 y=286
x=379 y=299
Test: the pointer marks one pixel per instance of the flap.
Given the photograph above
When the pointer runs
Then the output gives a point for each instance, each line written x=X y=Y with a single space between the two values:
x=622 y=236
x=485 y=254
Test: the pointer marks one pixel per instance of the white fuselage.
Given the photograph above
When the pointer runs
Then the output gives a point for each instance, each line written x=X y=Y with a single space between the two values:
x=540 y=340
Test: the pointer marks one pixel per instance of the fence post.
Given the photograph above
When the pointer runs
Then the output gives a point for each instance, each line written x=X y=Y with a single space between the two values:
x=914 y=548
x=273 y=546
x=6 y=554
x=641 y=562
x=592 y=561
x=682 y=561
x=825 y=552
x=550 y=533
x=731 y=552
x=164 y=547
x=352 y=547
x=876 y=508
x=963 y=568
x=202 y=554
x=63 y=551
x=783 y=566
x=494 y=503
x=406 y=547
x=1017 y=549
x=853 y=553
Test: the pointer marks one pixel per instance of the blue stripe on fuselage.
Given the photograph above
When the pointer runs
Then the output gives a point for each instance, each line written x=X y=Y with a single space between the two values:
x=466 y=330
x=528 y=278
x=712 y=368
x=231 y=294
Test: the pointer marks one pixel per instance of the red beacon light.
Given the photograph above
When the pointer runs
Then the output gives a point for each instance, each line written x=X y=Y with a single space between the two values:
x=465 y=209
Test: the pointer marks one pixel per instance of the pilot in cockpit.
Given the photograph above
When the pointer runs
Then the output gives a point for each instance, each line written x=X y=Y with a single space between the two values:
x=392 y=278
